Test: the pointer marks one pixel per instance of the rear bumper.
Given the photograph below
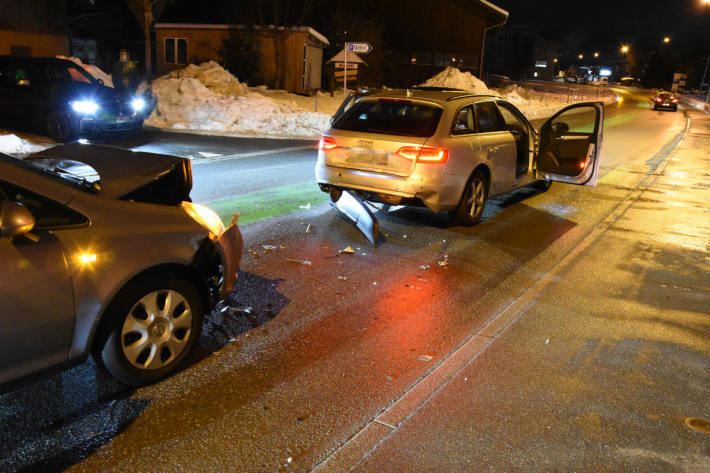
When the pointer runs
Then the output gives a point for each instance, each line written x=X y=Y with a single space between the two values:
x=437 y=191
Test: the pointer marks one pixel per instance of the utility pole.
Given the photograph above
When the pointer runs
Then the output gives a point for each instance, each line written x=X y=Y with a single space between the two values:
x=148 y=20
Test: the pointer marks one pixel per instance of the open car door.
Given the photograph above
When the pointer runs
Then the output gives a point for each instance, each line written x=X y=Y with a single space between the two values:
x=570 y=145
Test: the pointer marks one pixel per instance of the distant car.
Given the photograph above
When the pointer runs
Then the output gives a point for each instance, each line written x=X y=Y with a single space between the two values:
x=64 y=100
x=452 y=150
x=123 y=266
x=665 y=100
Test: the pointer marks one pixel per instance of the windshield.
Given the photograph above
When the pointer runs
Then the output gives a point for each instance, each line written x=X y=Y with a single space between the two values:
x=62 y=73
x=391 y=117
x=67 y=172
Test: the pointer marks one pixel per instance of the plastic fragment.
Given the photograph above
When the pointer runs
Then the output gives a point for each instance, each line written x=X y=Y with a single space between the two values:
x=308 y=229
x=349 y=250
x=343 y=278
x=425 y=358
x=268 y=247
x=308 y=206
x=306 y=262
x=547 y=341
x=424 y=267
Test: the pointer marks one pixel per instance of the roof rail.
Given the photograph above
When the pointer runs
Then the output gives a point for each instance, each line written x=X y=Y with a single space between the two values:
x=465 y=96
x=436 y=89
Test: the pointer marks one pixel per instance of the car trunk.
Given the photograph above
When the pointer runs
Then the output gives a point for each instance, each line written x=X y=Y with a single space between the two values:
x=367 y=152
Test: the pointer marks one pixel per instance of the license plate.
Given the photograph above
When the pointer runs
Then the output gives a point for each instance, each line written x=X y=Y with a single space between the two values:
x=123 y=119
x=364 y=156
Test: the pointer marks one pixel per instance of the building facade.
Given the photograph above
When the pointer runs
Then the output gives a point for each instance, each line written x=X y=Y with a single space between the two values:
x=33 y=28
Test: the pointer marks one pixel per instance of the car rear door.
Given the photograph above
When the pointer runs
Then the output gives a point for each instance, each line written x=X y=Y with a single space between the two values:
x=570 y=145
x=497 y=145
x=37 y=310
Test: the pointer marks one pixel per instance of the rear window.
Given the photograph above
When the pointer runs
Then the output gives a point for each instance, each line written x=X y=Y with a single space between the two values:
x=390 y=118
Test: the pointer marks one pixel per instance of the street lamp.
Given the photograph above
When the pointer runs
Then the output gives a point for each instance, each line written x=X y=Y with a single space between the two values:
x=667 y=39
x=581 y=56
x=596 y=54
x=625 y=48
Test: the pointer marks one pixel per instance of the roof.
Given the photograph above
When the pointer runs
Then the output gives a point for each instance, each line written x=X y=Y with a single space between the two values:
x=494 y=8
x=222 y=26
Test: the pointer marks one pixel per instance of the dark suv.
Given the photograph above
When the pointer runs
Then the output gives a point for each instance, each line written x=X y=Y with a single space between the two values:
x=64 y=100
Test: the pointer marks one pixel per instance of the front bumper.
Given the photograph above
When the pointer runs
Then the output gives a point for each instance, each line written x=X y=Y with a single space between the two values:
x=230 y=245
x=437 y=190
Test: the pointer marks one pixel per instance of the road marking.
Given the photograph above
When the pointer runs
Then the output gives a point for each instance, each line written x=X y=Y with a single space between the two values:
x=350 y=454
x=253 y=154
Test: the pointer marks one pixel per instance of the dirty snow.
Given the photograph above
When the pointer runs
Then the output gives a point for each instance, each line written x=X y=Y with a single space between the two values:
x=453 y=78
x=208 y=98
x=13 y=145
x=91 y=69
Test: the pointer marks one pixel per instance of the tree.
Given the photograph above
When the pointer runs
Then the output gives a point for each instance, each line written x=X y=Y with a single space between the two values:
x=145 y=11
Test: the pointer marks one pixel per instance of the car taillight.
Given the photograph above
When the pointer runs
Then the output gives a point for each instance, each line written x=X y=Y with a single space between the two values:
x=675 y=100
x=659 y=99
x=424 y=154
x=327 y=143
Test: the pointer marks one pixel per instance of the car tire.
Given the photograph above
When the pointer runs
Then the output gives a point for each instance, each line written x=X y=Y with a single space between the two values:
x=59 y=126
x=473 y=200
x=542 y=185
x=151 y=328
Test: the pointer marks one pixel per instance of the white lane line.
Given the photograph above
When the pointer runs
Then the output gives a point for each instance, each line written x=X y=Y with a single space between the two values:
x=231 y=157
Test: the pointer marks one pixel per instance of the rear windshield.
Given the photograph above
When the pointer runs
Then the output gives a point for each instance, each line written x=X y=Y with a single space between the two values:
x=402 y=118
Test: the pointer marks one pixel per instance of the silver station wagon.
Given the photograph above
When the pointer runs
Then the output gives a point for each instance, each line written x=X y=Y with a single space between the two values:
x=450 y=150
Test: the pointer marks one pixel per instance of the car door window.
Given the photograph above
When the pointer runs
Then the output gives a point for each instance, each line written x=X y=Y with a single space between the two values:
x=463 y=122
x=488 y=119
x=48 y=214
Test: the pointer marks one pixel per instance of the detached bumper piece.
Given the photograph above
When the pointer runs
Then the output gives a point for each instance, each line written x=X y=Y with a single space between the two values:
x=360 y=214
x=230 y=246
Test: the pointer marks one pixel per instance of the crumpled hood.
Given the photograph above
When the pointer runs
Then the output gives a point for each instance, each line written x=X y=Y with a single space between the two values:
x=123 y=171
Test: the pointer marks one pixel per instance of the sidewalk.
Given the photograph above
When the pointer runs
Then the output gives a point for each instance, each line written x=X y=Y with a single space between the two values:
x=596 y=369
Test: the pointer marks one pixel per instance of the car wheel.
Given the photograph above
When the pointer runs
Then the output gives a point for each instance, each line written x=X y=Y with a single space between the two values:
x=473 y=201
x=152 y=328
x=59 y=127
x=542 y=185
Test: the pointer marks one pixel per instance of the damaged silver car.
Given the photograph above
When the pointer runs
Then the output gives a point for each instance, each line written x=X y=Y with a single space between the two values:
x=102 y=251
x=449 y=150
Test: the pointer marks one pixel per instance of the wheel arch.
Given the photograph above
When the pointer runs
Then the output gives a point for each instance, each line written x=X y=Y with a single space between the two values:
x=188 y=273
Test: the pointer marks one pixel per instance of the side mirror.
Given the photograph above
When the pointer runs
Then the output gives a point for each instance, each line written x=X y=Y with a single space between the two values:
x=561 y=127
x=15 y=219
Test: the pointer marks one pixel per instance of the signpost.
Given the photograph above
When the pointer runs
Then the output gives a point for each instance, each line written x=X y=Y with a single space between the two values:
x=362 y=48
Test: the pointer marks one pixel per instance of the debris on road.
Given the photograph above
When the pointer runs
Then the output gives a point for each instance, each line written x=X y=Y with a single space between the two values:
x=359 y=213
x=424 y=267
x=308 y=229
x=308 y=206
x=253 y=253
x=305 y=262
x=425 y=358
x=268 y=247
x=343 y=278
x=347 y=250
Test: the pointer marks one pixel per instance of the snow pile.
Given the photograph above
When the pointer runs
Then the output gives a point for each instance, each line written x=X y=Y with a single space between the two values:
x=91 y=69
x=16 y=146
x=453 y=78
x=209 y=98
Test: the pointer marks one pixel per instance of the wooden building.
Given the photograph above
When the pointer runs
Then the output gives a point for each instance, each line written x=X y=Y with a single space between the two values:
x=33 y=28
x=290 y=58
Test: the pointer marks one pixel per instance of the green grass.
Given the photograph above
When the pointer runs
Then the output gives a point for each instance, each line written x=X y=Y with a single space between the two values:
x=264 y=204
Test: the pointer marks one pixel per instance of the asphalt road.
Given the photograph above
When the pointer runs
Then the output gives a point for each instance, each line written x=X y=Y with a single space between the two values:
x=305 y=355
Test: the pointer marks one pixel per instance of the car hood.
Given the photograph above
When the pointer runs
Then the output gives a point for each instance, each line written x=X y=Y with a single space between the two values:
x=122 y=172
x=82 y=91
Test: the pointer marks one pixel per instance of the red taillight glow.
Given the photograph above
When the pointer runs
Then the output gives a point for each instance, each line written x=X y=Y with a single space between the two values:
x=659 y=99
x=424 y=154
x=675 y=100
x=327 y=143
x=582 y=164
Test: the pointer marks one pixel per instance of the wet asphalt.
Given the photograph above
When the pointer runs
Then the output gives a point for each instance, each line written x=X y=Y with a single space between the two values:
x=305 y=355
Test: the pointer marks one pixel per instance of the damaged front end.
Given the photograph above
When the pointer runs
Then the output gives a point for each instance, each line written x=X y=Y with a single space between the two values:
x=218 y=258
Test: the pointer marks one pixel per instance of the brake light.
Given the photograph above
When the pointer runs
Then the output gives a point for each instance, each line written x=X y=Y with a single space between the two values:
x=675 y=100
x=582 y=164
x=659 y=99
x=424 y=154
x=327 y=143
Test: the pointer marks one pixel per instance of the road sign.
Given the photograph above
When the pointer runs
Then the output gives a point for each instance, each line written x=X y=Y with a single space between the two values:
x=359 y=48
x=341 y=65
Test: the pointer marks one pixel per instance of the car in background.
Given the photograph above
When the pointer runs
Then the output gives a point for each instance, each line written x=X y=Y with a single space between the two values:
x=62 y=99
x=102 y=251
x=665 y=100
x=451 y=150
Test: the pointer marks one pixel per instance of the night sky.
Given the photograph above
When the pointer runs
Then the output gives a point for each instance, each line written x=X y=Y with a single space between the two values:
x=603 y=25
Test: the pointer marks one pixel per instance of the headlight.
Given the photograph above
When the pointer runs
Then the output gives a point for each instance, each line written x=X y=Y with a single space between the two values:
x=138 y=104
x=205 y=217
x=85 y=106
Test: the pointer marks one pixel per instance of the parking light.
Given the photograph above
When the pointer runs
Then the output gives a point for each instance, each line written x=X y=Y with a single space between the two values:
x=424 y=154
x=327 y=143
x=88 y=107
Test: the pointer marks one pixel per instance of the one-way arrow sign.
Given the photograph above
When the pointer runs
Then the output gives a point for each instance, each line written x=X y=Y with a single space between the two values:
x=359 y=48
